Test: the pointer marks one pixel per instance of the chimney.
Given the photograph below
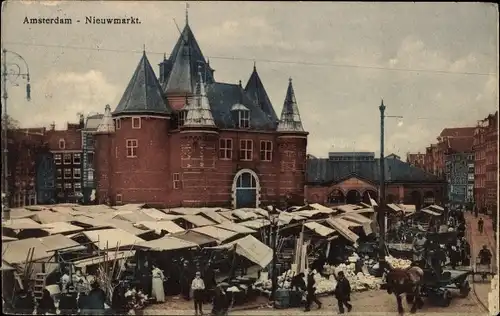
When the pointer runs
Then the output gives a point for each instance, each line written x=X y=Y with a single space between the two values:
x=82 y=121
x=53 y=126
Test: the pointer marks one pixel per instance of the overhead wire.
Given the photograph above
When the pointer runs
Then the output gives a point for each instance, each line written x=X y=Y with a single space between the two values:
x=275 y=61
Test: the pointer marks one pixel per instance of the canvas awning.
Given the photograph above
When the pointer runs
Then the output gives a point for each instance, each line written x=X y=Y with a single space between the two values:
x=167 y=243
x=61 y=227
x=319 y=229
x=308 y=213
x=158 y=215
x=58 y=242
x=359 y=219
x=244 y=215
x=185 y=211
x=110 y=256
x=133 y=216
x=47 y=217
x=197 y=220
x=16 y=252
x=6 y=267
x=256 y=223
x=342 y=229
x=21 y=223
x=129 y=207
x=250 y=248
x=214 y=216
x=430 y=212
x=227 y=214
x=348 y=223
x=407 y=208
x=197 y=238
x=167 y=226
x=237 y=228
x=394 y=207
x=216 y=233
x=112 y=238
x=20 y=213
x=320 y=207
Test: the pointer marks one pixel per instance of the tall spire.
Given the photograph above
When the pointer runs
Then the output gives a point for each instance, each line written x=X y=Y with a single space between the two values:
x=256 y=91
x=180 y=77
x=199 y=112
x=187 y=13
x=290 y=117
x=106 y=125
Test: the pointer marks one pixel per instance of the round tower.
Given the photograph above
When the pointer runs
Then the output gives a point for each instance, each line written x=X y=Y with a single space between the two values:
x=141 y=145
x=292 y=147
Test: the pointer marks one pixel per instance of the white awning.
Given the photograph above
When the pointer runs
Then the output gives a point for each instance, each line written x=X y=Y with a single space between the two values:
x=112 y=238
x=167 y=243
x=342 y=229
x=250 y=248
x=219 y=234
x=430 y=212
x=319 y=229
x=168 y=226
x=197 y=220
x=21 y=223
x=237 y=228
x=110 y=256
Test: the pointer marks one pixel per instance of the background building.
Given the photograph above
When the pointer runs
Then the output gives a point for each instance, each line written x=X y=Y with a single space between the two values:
x=88 y=171
x=354 y=177
x=486 y=163
x=185 y=139
x=416 y=160
x=66 y=148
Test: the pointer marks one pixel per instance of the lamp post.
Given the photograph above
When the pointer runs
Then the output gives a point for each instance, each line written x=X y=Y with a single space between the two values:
x=381 y=205
x=274 y=277
x=12 y=75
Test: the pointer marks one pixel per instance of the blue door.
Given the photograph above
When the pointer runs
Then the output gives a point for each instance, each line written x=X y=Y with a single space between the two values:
x=246 y=191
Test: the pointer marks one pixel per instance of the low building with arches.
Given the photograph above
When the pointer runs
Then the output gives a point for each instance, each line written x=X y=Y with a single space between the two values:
x=186 y=139
x=351 y=178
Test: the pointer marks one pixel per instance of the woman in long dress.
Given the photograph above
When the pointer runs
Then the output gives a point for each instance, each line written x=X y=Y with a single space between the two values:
x=157 y=289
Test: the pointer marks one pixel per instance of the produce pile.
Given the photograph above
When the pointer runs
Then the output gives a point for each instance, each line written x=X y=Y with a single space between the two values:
x=397 y=263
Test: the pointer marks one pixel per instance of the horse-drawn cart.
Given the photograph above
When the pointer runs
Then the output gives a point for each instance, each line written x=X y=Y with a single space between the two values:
x=438 y=290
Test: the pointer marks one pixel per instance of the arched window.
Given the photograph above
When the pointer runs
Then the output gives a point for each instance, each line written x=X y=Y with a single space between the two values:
x=62 y=144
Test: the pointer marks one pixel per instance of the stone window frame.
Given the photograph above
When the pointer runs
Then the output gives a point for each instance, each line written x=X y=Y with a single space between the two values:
x=59 y=185
x=181 y=117
x=226 y=152
x=67 y=159
x=136 y=120
x=59 y=173
x=68 y=185
x=118 y=123
x=77 y=158
x=58 y=159
x=119 y=198
x=132 y=145
x=176 y=181
x=77 y=186
x=244 y=150
x=244 y=118
x=77 y=173
x=266 y=152
x=62 y=143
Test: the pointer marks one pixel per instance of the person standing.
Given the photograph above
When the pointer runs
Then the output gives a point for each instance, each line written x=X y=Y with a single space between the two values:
x=94 y=302
x=419 y=249
x=157 y=290
x=480 y=225
x=343 y=292
x=198 y=288
x=311 y=292
x=220 y=303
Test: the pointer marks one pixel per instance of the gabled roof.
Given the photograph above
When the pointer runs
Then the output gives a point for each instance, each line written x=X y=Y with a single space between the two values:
x=184 y=61
x=143 y=94
x=256 y=91
x=290 y=118
x=222 y=97
x=106 y=125
x=199 y=113
x=457 y=132
x=460 y=144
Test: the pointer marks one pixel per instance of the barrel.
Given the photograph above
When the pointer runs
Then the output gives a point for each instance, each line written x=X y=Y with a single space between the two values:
x=282 y=298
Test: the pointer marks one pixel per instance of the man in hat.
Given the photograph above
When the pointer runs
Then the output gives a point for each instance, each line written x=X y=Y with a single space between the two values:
x=311 y=292
x=198 y=288
x=343 y=292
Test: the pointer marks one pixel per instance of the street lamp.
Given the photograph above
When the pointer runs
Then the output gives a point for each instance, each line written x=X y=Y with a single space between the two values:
x=12 y=75
x=274 y=220
x=381 y=205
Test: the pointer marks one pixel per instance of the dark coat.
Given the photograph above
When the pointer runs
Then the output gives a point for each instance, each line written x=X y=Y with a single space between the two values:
x=311 y=283
x=95 y=299
x=343 y=289
x=298 y=282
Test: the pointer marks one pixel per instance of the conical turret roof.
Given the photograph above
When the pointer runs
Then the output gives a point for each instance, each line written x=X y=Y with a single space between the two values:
x=106 y=125
x=255 y=90
x=199 y=113
x=143 y=94
x=290 y=117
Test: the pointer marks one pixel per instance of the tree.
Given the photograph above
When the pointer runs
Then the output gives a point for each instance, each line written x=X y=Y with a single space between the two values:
x=11 y=122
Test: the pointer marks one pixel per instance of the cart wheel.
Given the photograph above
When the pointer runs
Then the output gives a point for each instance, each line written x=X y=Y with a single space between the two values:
x=446 y=298
x=464 y=289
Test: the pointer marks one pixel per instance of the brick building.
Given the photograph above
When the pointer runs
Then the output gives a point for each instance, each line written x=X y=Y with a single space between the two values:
x=354 y=177
x=66 y=149
x=88 y=172
x=416 y=160
x=26 y=146
x=185 y=139
x=486 y=162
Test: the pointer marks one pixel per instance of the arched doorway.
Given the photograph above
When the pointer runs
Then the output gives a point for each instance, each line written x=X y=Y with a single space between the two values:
x=416 y=199
x=391 y=198
x=336 y=197
x=353 y=197
x=369 y=194
x=429 y=198
x=246 y=189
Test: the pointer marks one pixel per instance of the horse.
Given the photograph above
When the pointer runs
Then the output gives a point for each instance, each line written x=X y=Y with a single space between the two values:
x=406 y=281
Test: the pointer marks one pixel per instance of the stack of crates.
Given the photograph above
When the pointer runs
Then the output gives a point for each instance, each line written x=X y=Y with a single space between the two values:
x=39 y=285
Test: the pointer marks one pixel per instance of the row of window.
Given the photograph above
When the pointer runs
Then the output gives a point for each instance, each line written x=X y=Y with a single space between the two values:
x=77 y=186
x=225 y=149
x=136 y=123
x=243 y=118
x=68 y=159
x=75 y=173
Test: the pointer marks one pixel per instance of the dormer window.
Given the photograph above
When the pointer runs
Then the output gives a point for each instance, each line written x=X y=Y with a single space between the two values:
x=242 y=115
x=62 y=144
x=136 y=122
